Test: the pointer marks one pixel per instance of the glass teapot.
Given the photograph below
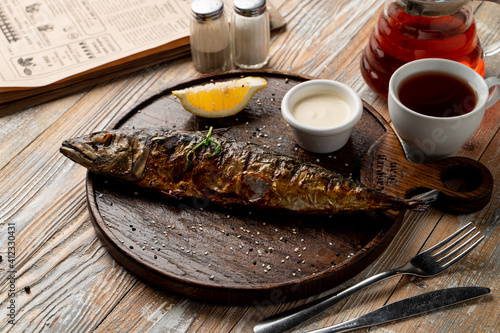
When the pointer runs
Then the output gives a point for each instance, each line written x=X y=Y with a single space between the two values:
x=414 y=29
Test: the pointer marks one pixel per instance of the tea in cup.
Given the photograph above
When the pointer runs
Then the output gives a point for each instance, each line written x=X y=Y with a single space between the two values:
x=436 y=105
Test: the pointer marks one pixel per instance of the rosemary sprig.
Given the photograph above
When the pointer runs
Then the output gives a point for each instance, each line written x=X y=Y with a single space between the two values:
x=205 y=142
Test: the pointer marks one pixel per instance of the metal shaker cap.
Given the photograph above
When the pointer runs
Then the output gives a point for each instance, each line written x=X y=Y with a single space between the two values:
x=207 y=10
x=249 y=8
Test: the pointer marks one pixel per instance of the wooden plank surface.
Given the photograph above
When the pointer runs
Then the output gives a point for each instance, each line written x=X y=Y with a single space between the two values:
x=76 y=286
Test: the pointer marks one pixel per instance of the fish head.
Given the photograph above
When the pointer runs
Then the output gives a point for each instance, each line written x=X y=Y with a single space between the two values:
x=114 y=153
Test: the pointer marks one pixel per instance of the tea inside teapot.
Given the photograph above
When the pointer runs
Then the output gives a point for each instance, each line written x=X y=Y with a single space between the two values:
x=445 y=29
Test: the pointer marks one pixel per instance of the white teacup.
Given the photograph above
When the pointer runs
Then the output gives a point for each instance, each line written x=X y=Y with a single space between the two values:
x=429 y=138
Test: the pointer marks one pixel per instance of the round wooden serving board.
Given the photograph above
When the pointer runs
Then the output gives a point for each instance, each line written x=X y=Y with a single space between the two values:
x=239 y=256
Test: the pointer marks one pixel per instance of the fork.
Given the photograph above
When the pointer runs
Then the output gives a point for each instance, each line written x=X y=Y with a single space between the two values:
x=425 y=264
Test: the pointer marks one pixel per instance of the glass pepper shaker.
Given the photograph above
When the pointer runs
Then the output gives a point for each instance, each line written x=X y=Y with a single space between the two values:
x=250 y=33
x=209 y=36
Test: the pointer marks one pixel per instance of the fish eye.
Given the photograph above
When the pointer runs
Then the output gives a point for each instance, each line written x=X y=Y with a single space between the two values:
x=102 y=140
x=107 y=139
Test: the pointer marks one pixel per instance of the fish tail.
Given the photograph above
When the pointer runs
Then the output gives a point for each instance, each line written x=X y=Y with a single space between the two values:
x=422 y=201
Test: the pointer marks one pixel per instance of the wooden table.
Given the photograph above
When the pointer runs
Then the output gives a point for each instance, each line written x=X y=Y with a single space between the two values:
x=66 y=281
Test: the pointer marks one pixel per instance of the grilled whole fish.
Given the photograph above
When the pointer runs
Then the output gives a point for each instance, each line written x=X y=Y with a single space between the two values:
x=239 y=174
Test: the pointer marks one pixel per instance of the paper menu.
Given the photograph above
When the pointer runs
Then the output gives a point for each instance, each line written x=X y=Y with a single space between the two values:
x=44 y=41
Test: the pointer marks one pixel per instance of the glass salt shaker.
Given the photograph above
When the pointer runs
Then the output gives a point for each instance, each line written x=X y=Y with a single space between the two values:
x=250 y=33
x=209 y=36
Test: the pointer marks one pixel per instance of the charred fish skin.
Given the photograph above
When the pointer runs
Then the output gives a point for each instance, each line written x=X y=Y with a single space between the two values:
x=240 y=174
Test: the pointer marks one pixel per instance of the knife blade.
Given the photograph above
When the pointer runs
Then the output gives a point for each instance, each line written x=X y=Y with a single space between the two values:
x=409 y=307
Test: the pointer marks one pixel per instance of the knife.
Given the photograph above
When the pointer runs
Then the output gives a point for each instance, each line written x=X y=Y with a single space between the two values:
x=409 y=307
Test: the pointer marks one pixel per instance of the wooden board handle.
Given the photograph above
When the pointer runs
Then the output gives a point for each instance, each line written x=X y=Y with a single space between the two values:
x=465 y=185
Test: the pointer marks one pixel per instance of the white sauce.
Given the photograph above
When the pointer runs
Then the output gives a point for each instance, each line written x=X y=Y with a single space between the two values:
x=322 y=109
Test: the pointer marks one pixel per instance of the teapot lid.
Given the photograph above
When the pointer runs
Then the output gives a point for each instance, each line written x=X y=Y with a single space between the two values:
x=432 y=7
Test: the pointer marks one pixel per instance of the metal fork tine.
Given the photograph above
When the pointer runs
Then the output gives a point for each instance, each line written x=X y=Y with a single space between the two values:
x=446 y=249
x=445 y=241
x=458 y=248
x=461 y=255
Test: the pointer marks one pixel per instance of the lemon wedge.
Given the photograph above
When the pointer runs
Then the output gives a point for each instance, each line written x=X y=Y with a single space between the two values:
x=220 y=99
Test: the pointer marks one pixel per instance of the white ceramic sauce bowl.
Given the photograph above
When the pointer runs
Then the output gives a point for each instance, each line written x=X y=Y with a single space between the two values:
x=321 y=139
